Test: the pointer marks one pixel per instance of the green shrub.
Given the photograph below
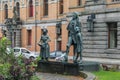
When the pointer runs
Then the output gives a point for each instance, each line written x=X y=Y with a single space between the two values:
x=4 y=70
x=13 y=68
x=4 y=42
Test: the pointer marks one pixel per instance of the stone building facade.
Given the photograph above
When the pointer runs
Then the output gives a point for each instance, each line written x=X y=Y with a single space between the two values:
x=103 y=41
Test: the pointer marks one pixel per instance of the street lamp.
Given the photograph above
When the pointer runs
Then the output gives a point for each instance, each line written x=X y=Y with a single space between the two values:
x=36 y=21
x=90 y=22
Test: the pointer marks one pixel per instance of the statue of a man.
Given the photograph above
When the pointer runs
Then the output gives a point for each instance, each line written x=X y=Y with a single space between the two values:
x=74 y=38
x=15 y=16
x=43 y=43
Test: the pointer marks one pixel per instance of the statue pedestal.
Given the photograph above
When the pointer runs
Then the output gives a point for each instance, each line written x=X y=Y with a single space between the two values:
x=58 y=67
x=89 y=66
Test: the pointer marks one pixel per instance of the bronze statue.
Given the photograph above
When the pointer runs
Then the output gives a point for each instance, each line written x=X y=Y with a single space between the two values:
x=15 y=16
x=74 y=38
x=43 y=43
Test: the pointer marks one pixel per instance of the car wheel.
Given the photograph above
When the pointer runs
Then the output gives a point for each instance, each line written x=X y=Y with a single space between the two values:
x=32 y=58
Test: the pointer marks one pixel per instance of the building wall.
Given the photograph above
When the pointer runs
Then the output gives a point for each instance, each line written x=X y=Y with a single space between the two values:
x=0 y=33
x=95 y=43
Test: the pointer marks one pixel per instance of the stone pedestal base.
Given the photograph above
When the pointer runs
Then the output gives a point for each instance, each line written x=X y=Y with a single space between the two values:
x=67 y=68
x=58 y=67
x=89 y=66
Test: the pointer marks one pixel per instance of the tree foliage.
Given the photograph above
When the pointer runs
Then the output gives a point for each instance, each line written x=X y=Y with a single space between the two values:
x=14 y=68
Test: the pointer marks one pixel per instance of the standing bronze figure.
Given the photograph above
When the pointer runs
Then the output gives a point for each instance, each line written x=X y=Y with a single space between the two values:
x=75 y=39
x=43 y=43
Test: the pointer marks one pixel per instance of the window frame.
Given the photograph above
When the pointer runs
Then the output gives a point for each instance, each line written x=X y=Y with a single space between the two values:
x=45 y=8
x=31 y=8
x=6 y=11
x=79 y=2
x=61 y=7
x=29 y=37
x=112 y=27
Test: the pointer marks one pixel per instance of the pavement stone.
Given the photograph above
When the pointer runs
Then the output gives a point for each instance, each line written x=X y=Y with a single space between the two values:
x=49 y=76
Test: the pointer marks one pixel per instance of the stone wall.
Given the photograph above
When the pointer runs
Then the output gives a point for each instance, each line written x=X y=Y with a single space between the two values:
x=96 y=43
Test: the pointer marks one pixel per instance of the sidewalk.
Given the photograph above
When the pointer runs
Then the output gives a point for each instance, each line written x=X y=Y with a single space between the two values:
x=50 y=76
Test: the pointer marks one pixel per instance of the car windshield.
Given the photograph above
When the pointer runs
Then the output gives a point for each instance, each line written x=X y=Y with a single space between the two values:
x=25 y=51
x=16 y=50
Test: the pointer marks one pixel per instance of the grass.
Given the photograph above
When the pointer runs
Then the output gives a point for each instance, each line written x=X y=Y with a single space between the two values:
x=107 y=75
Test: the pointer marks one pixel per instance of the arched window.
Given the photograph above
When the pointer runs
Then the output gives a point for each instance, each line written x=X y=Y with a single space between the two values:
x=6 y=11
x=61 y=7
x=18 y=8
x=45 y=8
x=30 y=8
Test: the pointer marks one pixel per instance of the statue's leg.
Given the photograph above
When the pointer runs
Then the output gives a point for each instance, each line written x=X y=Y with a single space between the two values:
x=75 y=54
x=67 y=52
x=80 y=61
x=67 y=48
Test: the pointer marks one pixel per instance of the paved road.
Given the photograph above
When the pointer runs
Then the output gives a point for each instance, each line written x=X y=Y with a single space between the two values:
x=48 y=76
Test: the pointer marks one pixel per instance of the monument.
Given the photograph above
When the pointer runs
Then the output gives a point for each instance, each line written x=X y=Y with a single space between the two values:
x=13 y=29
x=43 y=43
x=75 y=39
x=66 y=67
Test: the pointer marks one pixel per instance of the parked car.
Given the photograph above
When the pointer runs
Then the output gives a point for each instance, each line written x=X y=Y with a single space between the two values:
x=60 y=58
x=25 y=53
x=55 y=54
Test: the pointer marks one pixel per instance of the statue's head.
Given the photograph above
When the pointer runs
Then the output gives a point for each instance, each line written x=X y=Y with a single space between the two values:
x=45 y=31
x=77 y=29
x=75 y=15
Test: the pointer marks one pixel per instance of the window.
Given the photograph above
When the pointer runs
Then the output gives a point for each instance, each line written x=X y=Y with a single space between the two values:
x=112 y=35
x=6 y=11
x=61 y=7
x=18 y=8
x=30 y=8
x=79 y=2
x=29 y=32
x=45 y=8
x=24 y=51
x=16 y=50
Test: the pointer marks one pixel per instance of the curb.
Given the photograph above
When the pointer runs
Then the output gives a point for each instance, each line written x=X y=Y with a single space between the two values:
x=87 y=75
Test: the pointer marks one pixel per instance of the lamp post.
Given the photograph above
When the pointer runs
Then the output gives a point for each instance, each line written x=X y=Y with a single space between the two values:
x=35 y=29
x=35 y=35
x=90 y=22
